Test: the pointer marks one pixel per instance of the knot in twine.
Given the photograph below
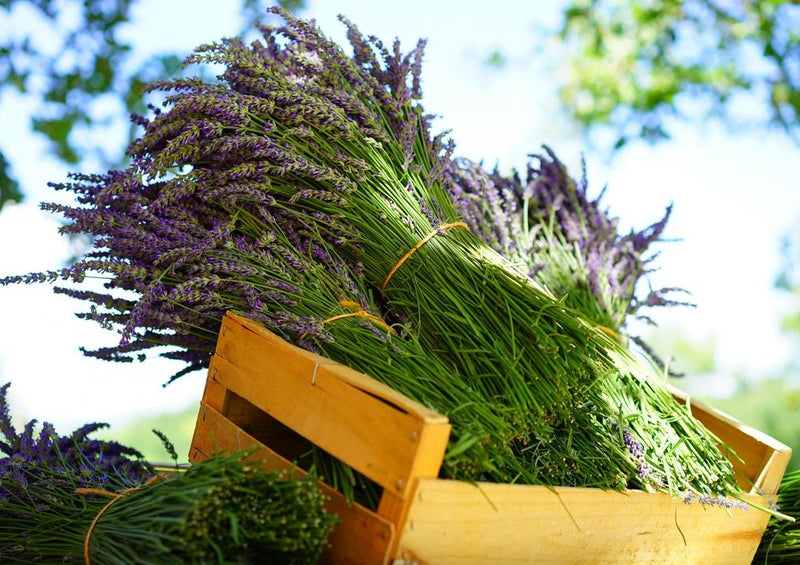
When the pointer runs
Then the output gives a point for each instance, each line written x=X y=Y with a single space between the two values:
x=358 y=312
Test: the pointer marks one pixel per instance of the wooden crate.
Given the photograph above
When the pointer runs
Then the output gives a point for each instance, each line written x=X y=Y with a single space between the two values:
x=264 y=391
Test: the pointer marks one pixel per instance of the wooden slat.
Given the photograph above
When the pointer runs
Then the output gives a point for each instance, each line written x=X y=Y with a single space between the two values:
x=374 y=429
x=771 y=475
x=394 y=507
x=455 y=523
x=214 y=393
x=361 y=538
x=280 y=347
x=760 y=460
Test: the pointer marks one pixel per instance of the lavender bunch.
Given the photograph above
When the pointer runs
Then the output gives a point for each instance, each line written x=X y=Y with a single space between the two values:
x=220 y=511
x=338 y=144
x=96 y=462
x=565 y=239
x=329 y=136
x=336 y=153
x=550 y=227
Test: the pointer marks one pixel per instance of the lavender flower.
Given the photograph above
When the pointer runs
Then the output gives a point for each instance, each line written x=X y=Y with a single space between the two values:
x=99 y=462
x=560 y=213
x=718 y=501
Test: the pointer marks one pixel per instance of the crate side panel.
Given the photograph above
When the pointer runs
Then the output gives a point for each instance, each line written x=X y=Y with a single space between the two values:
x=214 y=392
x=361 y=537
x=359 y=380
x=455 y=523
x=771 y=476
x=371 y=435
x=759 y=460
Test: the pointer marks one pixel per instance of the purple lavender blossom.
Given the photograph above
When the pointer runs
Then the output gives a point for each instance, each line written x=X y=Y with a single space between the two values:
x=97 y=461
x=718 y=501
x=492 y=203
x=186 y=226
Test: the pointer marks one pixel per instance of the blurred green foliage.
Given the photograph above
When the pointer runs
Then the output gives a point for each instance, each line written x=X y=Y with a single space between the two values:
x=630 y=63
x=177 y=426
x=65 y=71
x=683 y=356
x=789 y=280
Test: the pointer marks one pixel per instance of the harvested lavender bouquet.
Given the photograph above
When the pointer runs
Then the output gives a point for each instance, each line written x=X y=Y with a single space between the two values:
x=96 y=462
x=548 y=223
x=549 y=226
x=336 y=153
x=70 y=499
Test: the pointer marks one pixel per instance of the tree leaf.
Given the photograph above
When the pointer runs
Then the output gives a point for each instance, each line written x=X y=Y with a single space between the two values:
x=9 y=187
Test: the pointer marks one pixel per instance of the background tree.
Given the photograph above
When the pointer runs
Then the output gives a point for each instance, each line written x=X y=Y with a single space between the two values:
x=70 y=58
x=633 y=65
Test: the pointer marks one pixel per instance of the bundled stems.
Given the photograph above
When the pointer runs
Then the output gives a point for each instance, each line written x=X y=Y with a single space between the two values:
x=781 y=540
x=222 y=510
x=305 y=181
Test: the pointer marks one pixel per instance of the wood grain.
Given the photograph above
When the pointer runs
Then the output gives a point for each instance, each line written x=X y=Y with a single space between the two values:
x=377 y=431
x=455 y=523
x=759 y=460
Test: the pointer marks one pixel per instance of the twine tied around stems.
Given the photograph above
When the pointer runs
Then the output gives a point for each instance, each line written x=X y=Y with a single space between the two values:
x=358 y=312
x=609 y=332
x=421 y=242
x=115 y=496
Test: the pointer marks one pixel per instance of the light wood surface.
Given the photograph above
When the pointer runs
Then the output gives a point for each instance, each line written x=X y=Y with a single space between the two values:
x=455 y=523
x=758 y=459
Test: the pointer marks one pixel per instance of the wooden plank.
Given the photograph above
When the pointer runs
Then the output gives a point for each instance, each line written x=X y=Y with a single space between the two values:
x=759 y=461
x=344 y=412
x=771 y=475
x=394 y=507
x=368 y=384
x=214 y=392
x=455 y=523
x=361 y=538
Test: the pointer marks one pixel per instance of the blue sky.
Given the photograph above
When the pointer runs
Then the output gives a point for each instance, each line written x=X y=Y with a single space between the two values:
x=734 y=196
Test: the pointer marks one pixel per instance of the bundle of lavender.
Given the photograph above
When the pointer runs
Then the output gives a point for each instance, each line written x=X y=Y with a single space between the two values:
x=333 y=137
x=97 y=462
x=336 y=154
x=71 y=499
x=549 y=225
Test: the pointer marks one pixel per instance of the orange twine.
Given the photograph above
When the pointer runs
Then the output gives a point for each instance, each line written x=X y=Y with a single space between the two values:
x=359 y=313
x=115 y=496
x=422 y=242
x=609 y=332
